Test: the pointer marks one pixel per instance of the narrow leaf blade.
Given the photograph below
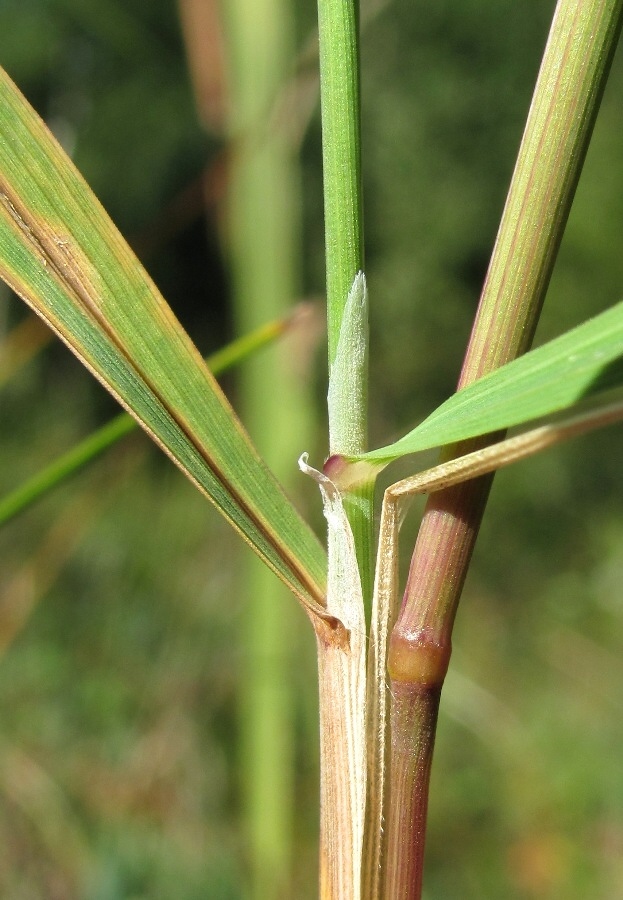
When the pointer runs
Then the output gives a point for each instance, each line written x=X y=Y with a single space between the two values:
x=552 y=378
x=70 y=462
x=62 y=254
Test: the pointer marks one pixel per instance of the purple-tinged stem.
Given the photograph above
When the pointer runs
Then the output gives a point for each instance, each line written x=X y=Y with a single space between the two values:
x=408 y=746
x=419 y=655
x=565 y=102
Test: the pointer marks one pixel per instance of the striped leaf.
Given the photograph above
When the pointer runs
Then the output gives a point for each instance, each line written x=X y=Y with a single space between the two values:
x=62 y=254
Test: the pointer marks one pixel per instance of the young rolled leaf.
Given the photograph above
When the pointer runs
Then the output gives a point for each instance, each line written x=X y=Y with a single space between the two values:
x=579 y=364
x=61 y=253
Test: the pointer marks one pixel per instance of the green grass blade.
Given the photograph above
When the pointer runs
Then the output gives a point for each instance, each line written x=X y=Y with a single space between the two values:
x=61 y=253
x=550 y=379
x=70 y=462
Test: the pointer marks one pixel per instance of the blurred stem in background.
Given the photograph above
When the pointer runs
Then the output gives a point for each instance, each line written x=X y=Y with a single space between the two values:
x=262 y=233
x=15 y=350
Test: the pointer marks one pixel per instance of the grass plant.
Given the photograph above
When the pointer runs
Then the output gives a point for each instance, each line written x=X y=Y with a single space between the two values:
x=381 y=663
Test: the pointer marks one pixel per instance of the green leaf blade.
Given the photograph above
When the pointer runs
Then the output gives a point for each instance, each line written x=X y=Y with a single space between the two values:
x=548 y=380
x=61 y=253
x=93 y=446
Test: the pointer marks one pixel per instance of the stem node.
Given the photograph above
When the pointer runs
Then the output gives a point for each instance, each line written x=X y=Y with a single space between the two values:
x=419 y=658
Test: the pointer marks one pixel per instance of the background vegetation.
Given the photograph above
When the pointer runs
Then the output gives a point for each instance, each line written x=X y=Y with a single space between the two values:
x=120 y=608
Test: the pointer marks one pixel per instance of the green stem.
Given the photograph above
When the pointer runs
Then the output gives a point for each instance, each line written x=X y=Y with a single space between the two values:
x=338 y=26
x=557 y=134
x=263 y=219
x=347 y=324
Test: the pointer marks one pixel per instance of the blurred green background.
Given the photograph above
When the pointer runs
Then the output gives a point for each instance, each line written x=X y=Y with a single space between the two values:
x=122 y=605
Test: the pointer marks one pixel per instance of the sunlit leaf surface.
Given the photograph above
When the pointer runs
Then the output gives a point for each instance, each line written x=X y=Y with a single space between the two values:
x=61 y=253
x=583 y=362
